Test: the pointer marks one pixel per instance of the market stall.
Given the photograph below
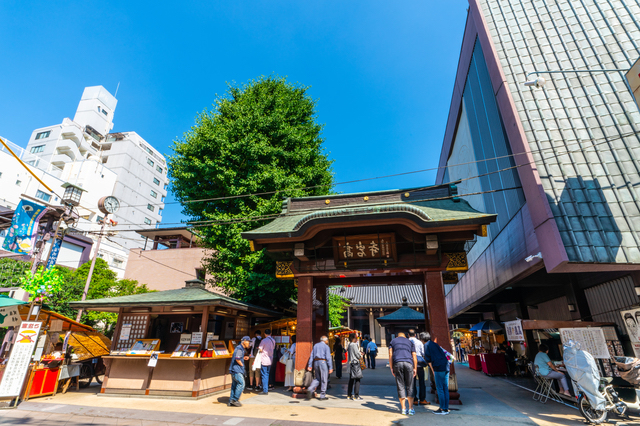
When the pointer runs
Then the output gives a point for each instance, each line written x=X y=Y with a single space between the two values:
x=492 y=362
x=174 y=342
x=281 y=331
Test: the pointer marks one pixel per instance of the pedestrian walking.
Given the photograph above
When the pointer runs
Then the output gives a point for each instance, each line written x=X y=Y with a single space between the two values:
x=403 y=364
x=420 y=386
x=254 y=375
x=372 y=351
x=237 y=371
x=290 y=366
x=436 y=356
x=267 y=345
x=365 y=344
x=338 y=356
x=355 y=371
x=321 y=365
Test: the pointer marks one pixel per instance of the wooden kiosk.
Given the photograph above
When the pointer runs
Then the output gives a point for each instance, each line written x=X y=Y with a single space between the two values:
x=191 y=331
x=395 y=237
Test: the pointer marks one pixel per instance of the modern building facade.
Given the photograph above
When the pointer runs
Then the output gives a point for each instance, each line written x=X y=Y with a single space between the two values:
x=560 y=165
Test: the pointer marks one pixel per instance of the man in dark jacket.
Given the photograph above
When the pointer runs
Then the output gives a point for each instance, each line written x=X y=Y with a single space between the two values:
x=436 y=356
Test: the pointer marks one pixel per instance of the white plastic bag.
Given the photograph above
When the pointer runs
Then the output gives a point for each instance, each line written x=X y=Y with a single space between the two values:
x=257 y=362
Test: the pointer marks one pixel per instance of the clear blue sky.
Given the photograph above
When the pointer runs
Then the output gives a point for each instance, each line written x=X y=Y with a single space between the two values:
x=382 y=71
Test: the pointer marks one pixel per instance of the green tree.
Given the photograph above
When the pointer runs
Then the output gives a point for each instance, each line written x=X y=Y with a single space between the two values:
x=337 y=307
x=260 y=137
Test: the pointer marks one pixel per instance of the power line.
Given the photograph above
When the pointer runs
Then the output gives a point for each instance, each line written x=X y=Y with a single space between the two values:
x=604 y=140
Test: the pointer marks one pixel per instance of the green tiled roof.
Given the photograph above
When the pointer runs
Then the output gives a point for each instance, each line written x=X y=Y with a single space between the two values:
x=179 y=297
x=428 y=211
x=404 y=314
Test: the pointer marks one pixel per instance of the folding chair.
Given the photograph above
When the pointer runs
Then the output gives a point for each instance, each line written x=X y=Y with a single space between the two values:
x=544 y=391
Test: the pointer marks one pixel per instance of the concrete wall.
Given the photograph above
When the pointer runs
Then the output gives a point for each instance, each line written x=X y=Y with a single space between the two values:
x=164 y=269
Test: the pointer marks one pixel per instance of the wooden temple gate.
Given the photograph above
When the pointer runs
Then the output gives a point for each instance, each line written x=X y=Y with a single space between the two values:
x=379 y=238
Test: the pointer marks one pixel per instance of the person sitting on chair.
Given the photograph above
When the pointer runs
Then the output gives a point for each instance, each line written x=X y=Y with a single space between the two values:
x=547 y=369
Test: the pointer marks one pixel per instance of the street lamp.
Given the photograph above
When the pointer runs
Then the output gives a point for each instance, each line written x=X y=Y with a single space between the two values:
x=72 y=194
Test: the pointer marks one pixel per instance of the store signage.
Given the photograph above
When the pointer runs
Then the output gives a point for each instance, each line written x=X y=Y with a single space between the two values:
x=196 y=338
x=514 y=331
x=185 y=338
x=631 y=320
x=633 y=78
x=125 y=333
x=19 y=360
x=365 y=247
x=590 y=339
x=10 y=317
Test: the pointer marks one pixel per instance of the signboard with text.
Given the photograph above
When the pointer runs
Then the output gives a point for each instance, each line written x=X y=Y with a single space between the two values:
x=514 y=331
x=19 y=360
x=365 y=247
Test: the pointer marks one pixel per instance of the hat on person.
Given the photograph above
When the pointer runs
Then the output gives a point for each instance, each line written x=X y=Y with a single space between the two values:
x=245 y=339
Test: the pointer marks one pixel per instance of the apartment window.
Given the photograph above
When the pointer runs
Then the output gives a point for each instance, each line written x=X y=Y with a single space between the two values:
x=104 y=111
x=154 y=194
x=150 y=162
x=37 y=149
x=159 y=169
x=148 y=150
x=43 y=196
x=117 y=263
x=156 y=181
x=162 y=200
x=43 y=135
x=147 y=221
x=160 y=212
x=150 y=207
x=18 y=182
x=31 y=163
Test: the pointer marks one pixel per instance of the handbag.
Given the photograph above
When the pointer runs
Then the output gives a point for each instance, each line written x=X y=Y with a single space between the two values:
x=355 y=372
x=298 y=378
x=362 y=364
x=308 y=378
x=421 y=362
x=285 y=357
x=257 y=363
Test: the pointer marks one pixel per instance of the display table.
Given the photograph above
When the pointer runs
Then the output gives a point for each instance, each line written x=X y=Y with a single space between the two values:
x=494 y=364
x=185 y=377
x=475 y=362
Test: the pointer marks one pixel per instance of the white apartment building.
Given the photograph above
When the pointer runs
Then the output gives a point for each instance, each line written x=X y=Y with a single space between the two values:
x=91 y=175
x=69 y=149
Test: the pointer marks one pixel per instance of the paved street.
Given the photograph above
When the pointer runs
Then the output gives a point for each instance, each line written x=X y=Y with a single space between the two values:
x=486 y=401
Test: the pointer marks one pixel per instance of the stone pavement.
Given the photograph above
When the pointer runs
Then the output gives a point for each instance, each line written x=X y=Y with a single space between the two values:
x=486 y=401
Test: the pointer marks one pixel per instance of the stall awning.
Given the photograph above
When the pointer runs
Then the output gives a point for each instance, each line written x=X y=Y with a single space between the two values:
x=10 y=301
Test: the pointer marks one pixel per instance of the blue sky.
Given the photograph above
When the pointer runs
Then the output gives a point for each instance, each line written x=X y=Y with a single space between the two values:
x=382 y=71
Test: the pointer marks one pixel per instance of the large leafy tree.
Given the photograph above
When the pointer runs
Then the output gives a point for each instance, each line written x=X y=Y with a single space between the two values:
x=260 y=138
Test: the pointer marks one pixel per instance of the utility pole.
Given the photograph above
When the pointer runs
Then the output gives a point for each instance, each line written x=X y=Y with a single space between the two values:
x=40 y=245
x=93 y=264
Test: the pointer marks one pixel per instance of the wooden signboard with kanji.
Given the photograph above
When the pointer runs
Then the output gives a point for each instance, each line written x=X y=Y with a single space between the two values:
x=365 y=247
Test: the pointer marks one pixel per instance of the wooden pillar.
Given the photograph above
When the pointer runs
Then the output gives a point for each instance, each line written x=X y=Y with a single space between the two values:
x=304 y=329
x=321 y=315
x=437 y=308
x=439 y=323
x=116 y=333
x=205 y=322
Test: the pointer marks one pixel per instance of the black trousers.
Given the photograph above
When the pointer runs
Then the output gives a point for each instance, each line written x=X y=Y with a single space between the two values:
x=350 y=387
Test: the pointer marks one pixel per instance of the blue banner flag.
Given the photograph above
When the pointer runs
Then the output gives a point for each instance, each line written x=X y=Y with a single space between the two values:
x=21 y=236
x=55 y=250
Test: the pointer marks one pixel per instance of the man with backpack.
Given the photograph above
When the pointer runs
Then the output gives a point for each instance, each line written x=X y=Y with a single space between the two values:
x=437 y=357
